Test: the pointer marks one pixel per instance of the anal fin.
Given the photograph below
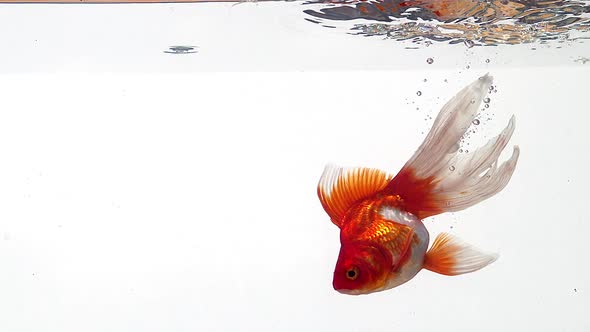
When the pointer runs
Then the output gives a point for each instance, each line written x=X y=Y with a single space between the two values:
x=451 y=256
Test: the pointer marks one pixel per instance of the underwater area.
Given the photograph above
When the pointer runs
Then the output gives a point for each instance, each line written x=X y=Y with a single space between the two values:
x=159 y=163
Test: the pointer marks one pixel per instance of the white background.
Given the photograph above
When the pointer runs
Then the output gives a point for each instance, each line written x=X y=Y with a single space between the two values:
x=152 y=201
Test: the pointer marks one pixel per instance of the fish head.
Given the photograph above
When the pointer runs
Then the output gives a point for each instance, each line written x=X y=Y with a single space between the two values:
x=361 y=268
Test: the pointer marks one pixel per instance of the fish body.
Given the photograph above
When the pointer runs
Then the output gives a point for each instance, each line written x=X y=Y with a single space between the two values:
x=383 y=240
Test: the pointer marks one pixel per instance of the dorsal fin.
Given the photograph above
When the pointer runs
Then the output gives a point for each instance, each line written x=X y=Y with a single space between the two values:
x=339 y=189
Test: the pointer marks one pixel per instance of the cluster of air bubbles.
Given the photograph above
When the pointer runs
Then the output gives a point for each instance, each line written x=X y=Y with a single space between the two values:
x=486 y=101
x=430 y=61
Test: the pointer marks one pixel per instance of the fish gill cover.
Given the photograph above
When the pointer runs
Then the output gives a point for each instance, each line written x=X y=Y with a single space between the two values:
x=470 y=22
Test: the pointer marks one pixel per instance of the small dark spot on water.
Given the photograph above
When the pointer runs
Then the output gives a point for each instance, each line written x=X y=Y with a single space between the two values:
x=575 y=290
x=181 y=49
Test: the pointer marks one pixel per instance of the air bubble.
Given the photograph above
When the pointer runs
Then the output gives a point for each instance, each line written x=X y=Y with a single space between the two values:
x=475 y=122
x=487 y=105
x=430 y=61
x=460 y=150
x=473 y=101
x=419 y=93
x=487 y=60
x=451 y=168
x=486 y=100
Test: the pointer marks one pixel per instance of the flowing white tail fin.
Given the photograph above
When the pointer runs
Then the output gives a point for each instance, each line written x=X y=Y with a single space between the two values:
x=438 y=178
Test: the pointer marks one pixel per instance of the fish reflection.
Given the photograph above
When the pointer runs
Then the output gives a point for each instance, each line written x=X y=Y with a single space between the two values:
x=472 y=22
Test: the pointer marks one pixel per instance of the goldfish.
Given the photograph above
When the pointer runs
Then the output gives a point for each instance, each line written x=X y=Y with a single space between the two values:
x=384 y=242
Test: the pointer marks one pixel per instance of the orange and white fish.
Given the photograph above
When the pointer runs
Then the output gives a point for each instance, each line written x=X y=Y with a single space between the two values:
x=383 y=240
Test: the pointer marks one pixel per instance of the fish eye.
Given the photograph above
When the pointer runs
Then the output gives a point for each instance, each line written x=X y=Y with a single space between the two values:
x=352 y=273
